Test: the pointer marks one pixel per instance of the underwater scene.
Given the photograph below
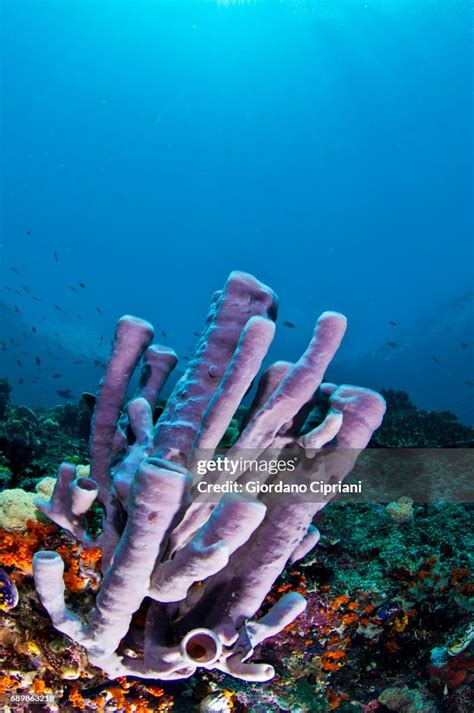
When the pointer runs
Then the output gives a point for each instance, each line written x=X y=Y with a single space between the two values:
x=236 y=356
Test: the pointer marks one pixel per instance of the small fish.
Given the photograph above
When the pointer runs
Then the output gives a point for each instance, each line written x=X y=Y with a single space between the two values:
x=65 y=393
x=8 y=288
x=17 y=310
x=21 y=380
x=394 y=324
x=43 y=317
x=28 y=232
x=388 y=611
x=8 y=592
x=56 y=256
x=460 y=644
x=196 y=334
x=25 y=335
x=435 y=359
x=79 y=316
x=15 y=270
x=17 y=292
x=73 y=289
x=33 y=329
x=25 y=288
x=469 y=383
x=288 y=324
x=464 y=345
x=19 y=362
x=78 y=361
x=57 y=307
x=218 y=702
x=99 y=310
x=36 y=299
x=38 y=361
x=186 y=358
x=392 y=344
x=81 y=284
x=98 y=363
x=163 y=333
x=57 y=376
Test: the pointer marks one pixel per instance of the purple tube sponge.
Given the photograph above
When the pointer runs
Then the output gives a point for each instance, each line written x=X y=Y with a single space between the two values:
x=161 y=537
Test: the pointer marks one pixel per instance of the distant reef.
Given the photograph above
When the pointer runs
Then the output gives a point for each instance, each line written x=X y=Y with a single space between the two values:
x=33 y=441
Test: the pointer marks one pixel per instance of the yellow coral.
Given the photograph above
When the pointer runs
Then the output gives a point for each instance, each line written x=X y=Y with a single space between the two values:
x=82 y=471
x=401 y=511
x=45 y=488
x=17 y=506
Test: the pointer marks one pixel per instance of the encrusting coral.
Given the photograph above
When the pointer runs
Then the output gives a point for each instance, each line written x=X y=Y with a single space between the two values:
x=199 y=571
x=17 y=506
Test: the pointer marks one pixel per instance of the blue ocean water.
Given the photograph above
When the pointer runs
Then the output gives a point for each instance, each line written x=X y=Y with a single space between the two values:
x=149 y=148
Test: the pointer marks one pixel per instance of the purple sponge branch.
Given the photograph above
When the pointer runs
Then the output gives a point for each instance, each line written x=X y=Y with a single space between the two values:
x=243 y=297
x=227 y=529
x=158 y=363
x=299 y=385
x=244 y=366
x=132 y=336
x=72 y=497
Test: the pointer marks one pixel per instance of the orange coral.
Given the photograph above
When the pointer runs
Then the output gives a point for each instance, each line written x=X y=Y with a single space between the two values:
x=137 y=705
x=155 y=691
x=92 y=557
x=76 y=699
x=333 y=660
x=39 y=687
x=99 y=703
x=423 y=574
x=349 y=619
x=340 y=601
x=335 y=699
x=72 y=573
x=459 y=574
x=17 y=549
x=8 y=683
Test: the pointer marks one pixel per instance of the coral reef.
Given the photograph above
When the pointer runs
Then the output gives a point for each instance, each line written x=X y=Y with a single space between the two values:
x=405 y=426
x=201 y=570
x=388 y=620
x=33 y=440
x=5 y=391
